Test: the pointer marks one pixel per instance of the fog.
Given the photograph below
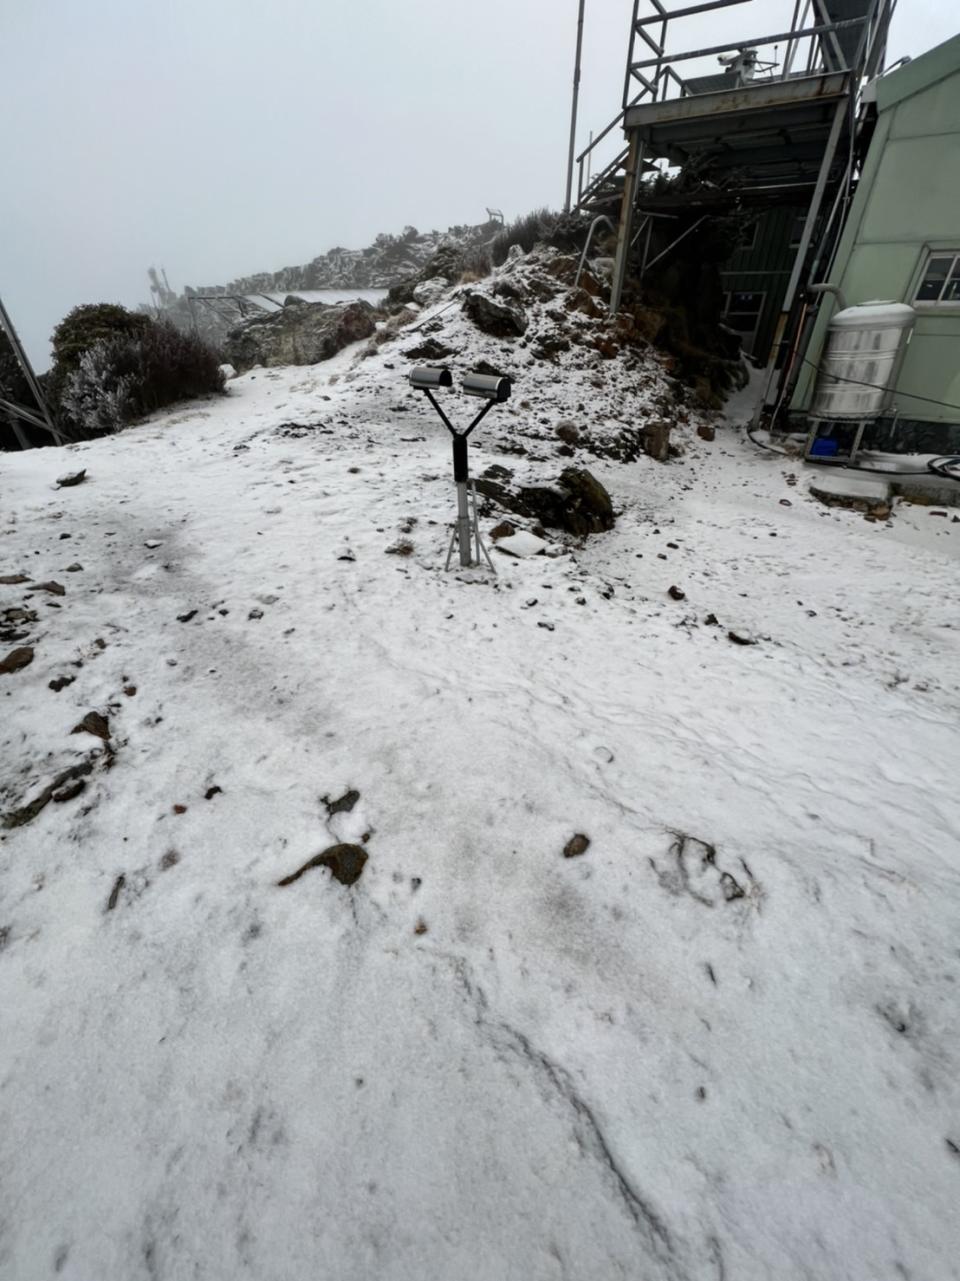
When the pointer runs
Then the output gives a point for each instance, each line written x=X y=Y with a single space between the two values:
x=218 y=139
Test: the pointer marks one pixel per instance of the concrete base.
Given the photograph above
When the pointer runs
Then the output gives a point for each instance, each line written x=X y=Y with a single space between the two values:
x=842 y=486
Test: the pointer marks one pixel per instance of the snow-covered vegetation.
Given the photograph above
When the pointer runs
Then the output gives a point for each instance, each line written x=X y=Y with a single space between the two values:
x=646 y=961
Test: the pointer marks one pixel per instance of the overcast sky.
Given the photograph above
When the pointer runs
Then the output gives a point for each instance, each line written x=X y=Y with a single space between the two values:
x=221 y=137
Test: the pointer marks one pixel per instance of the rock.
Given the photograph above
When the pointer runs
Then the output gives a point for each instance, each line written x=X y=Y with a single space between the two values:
x=115 y=892
x=71 y=478
x=70 y=791
x=211 y=792
x=655 y=439
x=675 y=593
x=420 y=927
x=576 y=846
x=344 y=804
x=13 y=580
x=16 y=660
x=880 y=512
x=430 y=291
x=28 y=812
x=185 y=618
x=578 y=503
x=493 y=316
x=741 y=637
x=568 y=432
x=93 y=723
x=549 y=346
x=496 y=472
x=61 y=682
x=581 y=301
x=346 y=863
x=255 y=613
x=55 y=589
x=430 y=351
x=588 y=508
x=153 y=543
x=75 y=568
x=503 y=530
x=706 y=432
x=301 y=333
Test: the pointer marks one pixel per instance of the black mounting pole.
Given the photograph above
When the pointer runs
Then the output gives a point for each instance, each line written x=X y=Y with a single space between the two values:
x=461 y=471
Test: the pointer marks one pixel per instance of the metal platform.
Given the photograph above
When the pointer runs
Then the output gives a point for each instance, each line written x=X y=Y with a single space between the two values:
x=776 y=130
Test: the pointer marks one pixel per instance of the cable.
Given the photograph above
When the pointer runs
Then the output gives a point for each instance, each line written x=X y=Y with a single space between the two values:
x=857 y=382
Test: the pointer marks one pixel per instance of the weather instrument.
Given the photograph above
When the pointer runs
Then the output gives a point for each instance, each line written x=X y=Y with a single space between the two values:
x=494 y=390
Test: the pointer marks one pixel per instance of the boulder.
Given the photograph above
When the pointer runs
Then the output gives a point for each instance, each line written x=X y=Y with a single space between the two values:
x=430 y=291
x=301 y=333
x=578 y=503
x=655 y=439
x=494 y=316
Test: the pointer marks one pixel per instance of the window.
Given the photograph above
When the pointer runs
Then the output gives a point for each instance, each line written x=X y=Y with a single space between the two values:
x=941 y=280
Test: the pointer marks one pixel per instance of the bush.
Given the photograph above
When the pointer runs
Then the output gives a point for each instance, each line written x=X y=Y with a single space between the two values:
x=526 y=232
x=477 y=262
x=92 y=323
x=123 y=377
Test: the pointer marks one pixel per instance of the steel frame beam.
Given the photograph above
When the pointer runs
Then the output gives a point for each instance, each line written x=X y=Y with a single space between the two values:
x=758 y=42
x=43 y=420
x=631 y=184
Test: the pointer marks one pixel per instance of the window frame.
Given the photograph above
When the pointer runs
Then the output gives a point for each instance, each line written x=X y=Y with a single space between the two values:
x=936 y=306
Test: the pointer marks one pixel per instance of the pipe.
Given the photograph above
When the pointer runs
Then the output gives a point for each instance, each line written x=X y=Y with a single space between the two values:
x=574 y=108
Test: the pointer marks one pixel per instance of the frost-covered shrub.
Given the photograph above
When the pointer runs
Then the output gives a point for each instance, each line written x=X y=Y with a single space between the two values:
x=477 y=262
x=94 y=397
x=526 y=232
x=123 y=377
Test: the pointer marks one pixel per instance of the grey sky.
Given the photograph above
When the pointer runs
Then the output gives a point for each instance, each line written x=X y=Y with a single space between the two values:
x=221 y=137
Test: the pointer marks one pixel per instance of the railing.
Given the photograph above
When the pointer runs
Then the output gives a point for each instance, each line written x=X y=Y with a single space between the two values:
x=812 y=48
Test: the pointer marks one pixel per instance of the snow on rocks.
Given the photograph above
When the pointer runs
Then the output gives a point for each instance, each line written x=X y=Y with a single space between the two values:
x=719 y=1042
x=522 y=544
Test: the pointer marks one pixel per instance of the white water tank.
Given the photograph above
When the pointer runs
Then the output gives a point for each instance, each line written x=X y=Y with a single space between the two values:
x=862 y=359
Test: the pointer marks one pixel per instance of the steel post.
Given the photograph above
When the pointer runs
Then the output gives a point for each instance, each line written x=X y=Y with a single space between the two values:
x=573 y=110
x=631 y=182
x=463 y=523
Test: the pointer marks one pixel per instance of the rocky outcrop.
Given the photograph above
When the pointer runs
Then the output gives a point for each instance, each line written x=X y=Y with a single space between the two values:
x=300 y=333
x=494 y=316
x=577 y=503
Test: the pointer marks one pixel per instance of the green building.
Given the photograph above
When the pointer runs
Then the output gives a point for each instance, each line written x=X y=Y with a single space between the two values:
x=755 y=278
x=901 y=243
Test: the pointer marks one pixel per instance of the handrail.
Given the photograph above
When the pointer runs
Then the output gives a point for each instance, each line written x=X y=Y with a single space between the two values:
x=759 y=42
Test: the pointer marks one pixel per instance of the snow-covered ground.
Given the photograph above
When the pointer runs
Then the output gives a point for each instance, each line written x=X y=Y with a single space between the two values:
x=720 y=1045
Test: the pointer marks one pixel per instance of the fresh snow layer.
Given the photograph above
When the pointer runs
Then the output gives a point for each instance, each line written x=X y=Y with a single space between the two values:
x=722 y=1043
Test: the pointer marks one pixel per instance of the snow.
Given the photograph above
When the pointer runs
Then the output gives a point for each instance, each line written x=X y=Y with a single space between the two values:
x=721 y=1043
x=328 y=296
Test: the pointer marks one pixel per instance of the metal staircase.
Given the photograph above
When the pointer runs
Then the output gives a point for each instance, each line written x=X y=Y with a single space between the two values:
x=825 y=36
